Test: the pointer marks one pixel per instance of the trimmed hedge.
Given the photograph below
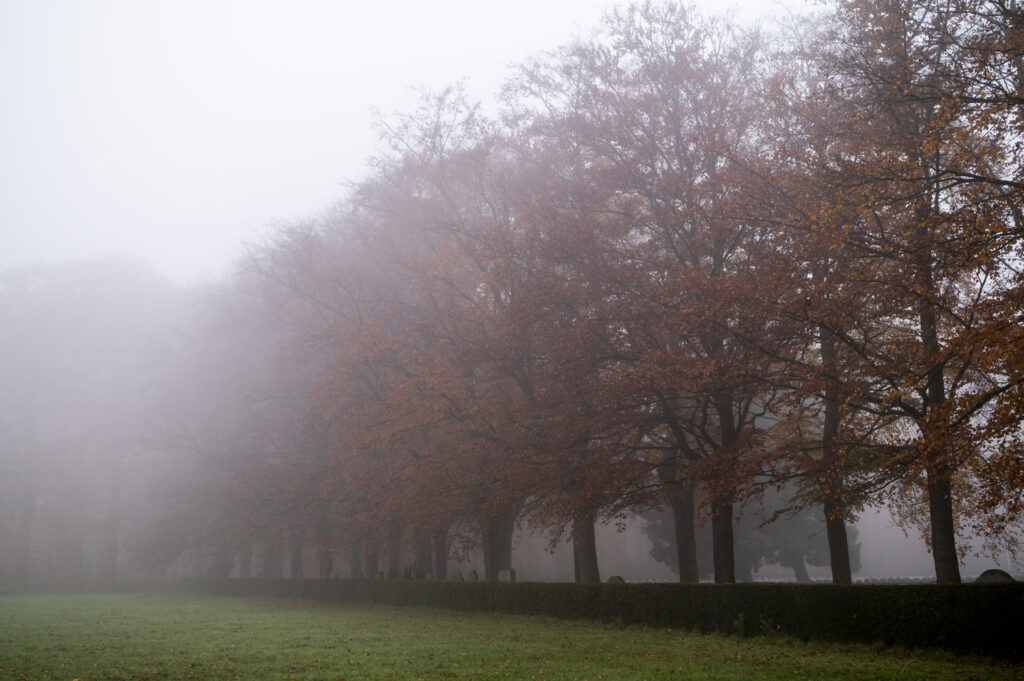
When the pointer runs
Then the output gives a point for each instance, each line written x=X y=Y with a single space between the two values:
x=983 y=619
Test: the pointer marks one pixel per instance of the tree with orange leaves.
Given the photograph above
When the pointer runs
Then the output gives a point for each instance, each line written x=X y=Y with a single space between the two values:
x=656 y=111
x=943 y=248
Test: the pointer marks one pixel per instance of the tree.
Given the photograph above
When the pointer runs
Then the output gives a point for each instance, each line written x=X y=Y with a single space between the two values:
x=657 y=109
x=942 y=248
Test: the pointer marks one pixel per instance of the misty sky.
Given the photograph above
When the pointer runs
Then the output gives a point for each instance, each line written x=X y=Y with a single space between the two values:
x=172 y=132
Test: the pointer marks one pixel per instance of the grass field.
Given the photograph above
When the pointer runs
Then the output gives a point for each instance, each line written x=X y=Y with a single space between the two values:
x=148 y=638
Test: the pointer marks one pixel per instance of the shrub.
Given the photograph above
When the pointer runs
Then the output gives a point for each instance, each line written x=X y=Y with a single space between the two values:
x=969 y=618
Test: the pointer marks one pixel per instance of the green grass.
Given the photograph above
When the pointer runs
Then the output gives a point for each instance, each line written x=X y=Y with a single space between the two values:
x=142 y=637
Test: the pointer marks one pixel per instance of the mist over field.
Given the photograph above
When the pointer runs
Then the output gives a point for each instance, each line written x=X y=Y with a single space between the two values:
x=459 y=291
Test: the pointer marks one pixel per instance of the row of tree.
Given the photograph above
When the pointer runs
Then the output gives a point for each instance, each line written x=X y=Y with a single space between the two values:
x=686 y=264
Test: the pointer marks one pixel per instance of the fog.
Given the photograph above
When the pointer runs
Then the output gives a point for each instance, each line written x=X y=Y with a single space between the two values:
x=172 y=133
x=191 y=201
x=143 y=431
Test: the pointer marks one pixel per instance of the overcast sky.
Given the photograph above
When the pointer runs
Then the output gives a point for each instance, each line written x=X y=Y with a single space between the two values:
x=173 y=131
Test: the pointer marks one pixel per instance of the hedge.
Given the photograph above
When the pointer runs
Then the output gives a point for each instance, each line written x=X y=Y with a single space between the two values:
x=982 y=619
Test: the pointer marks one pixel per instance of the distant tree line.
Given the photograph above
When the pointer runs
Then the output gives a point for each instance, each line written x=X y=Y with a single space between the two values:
x=80 y=357
x=686 y=265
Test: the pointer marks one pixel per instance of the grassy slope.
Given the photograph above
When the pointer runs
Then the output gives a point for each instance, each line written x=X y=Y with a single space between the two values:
x=171 y=637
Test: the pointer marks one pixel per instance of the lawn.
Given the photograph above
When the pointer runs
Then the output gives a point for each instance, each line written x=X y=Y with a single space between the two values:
x=152 y=637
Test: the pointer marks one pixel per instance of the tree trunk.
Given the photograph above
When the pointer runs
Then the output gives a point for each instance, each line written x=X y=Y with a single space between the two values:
x=940 y=493
x=23 y=561
x=943 y=531
x=325 y=563
x=832 y=483
x=584 y=551
x=273 y=563
x=800 y=571
x=76 y=553
x=681 y=501
x=222 y=564
x=355 y=560
x=794 y=558
x=245 y=562
x=110 y=539
x=372 y=565
x=422 y=565
x=838 y=543
x=109 y=544
x=440 y=541
x=24 y=492
x=395 y=551
x=394 y=562
x=722 y=543
x=497 y=544
x=296 y=564
x=684 y=523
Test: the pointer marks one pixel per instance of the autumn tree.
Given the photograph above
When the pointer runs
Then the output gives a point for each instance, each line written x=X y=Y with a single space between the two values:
x=658 y=107
x=826 y=292
x=944 y=247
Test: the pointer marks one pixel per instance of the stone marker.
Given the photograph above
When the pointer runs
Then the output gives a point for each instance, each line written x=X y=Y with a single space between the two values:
x=507 y=576
x=994 y=576
x=615 y=579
